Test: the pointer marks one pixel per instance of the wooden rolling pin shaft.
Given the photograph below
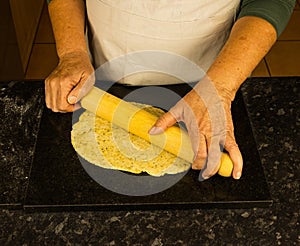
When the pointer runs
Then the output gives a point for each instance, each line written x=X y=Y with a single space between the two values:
x=137 y=121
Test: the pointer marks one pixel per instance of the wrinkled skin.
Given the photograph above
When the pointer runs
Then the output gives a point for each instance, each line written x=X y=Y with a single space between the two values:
x=207 y=116
x=69 y=82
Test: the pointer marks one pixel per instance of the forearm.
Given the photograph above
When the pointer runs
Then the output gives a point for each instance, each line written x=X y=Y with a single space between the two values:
x=68 y=23
x=249 y=41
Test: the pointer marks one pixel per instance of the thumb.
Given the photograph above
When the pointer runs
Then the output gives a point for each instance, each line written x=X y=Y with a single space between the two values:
x=164 y=122
x=80 y=90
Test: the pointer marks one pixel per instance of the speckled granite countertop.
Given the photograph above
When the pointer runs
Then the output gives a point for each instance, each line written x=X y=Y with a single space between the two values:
x=273 y=107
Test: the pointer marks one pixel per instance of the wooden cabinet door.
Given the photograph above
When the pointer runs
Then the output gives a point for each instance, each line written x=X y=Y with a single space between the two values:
x=26 y=15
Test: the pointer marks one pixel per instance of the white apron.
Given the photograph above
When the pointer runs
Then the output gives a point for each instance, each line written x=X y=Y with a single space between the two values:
x=195 y=29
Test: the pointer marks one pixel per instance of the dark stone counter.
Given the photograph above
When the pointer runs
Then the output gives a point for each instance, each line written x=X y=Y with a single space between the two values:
x=273 y=109
x=273 y=106
x=21 y=106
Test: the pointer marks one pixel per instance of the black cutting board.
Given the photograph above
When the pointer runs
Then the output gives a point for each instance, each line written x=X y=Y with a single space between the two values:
x=59 y=178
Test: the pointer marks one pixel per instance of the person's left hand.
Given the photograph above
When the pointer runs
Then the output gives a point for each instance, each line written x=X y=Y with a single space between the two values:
x=207 y=116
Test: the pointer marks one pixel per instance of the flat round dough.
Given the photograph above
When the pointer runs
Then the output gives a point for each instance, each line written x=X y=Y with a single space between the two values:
x=108 y=146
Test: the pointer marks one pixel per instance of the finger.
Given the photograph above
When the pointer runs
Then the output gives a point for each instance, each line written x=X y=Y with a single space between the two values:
x=164 y=122
x=47 y=91
x=76 y=106
x=81 y=89
x=201 y=152
x=52 y=94
x=59 y=96
x=236 y=157
x=59 y=89
x=71 y=108
x=213 y=159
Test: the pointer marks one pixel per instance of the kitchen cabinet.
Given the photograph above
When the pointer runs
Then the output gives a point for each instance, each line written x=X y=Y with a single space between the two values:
x=18 y=25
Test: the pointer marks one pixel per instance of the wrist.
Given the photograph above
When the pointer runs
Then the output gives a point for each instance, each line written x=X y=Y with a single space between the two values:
x=226 y=90
x=226 y=81
x=83 y=54
x=218 y=89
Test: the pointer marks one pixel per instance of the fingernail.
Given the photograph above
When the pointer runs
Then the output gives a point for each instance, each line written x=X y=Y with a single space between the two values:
x=72 y=99
x=201 y=177
x=238 y=175
x=155 y=130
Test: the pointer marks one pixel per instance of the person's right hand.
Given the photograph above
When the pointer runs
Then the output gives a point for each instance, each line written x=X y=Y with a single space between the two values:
x=69 y=82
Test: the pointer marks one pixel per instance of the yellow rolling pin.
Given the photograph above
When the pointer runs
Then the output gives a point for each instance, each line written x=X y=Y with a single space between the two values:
x=139 y=121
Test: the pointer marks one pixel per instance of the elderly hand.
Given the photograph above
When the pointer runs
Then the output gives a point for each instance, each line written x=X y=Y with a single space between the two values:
x=69 y=82
x=207 y=115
